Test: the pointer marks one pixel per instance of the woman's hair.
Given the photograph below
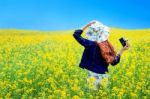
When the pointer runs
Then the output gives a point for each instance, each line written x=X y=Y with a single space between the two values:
x=107 y=51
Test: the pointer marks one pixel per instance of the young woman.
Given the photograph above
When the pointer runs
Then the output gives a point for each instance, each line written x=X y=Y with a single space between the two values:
x=98 y=52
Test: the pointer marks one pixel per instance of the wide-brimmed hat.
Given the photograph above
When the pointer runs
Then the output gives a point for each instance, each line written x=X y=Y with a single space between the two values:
x=98 y=32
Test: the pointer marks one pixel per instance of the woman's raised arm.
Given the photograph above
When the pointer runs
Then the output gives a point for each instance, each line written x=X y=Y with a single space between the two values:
x=80 y=39
x=117 y=59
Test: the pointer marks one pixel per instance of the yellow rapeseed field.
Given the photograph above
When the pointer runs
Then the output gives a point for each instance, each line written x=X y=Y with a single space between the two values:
x=37 y=64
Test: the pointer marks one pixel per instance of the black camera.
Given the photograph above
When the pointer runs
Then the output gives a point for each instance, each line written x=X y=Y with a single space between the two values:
x=123 y=41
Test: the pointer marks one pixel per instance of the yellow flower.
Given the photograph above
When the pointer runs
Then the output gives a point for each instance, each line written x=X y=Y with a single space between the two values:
x=91 y=80
x=115 y=89
x=81 y=93
x=76 y=97
x=51 y=97
x=8 y=95
x=63 y=94
x=75 y=88
x=133 y=95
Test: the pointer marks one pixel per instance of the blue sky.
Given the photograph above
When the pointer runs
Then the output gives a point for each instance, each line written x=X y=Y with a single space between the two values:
x=72 y=14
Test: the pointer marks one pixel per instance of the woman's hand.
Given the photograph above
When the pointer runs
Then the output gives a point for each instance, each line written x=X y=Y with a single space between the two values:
x=87 y=25
x=92 y=22
x=126 y=47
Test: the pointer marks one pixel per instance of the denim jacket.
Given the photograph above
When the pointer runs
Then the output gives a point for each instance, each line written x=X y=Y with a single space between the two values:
x=92 y=59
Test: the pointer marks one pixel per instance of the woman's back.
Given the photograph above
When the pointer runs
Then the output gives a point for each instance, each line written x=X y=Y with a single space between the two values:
x=92 y=58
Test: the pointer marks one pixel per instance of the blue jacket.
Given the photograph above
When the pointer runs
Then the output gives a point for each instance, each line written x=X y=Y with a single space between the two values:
x=92 y=59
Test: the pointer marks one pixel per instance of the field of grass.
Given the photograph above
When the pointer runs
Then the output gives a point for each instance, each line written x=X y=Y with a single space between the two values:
x=37 y=64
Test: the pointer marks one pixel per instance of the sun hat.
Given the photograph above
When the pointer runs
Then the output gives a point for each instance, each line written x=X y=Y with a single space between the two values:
x=98 y=32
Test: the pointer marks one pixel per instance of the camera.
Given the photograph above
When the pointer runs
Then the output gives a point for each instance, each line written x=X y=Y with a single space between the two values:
x=123 y=41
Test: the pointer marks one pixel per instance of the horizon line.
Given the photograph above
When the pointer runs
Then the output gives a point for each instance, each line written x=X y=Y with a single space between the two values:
x=68 y=29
